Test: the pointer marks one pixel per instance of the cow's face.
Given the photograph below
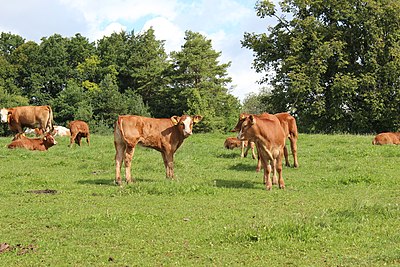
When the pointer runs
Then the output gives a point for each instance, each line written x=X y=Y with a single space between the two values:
x=246 y=128
x=4 y=115
x=242 y=117
x=185 y=123
x=49 y=140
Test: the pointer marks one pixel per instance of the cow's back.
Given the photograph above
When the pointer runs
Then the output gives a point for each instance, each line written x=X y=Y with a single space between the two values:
x=79 y=126
x=150 y=132
x=387 y=138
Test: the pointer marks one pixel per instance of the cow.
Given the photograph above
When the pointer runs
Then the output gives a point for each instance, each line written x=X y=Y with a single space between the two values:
x=61 y=131
x=265 y=131
x=36 y=131
x=165 y=135
x=289 y=126
x=387 y=138
x=288 y=123
x=28 y=116
x=79 y=129
x=233 y=142
x=41 y=144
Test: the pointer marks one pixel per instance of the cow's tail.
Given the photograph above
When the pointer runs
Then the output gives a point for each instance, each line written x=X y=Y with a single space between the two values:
x=49 y=125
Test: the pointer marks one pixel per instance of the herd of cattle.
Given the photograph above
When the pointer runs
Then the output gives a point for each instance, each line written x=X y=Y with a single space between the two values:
x=266 y=132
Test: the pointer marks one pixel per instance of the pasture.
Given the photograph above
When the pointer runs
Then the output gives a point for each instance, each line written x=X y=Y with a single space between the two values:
x=341 y=207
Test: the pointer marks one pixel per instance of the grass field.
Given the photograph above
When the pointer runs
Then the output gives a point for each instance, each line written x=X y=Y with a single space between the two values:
x=341 y=207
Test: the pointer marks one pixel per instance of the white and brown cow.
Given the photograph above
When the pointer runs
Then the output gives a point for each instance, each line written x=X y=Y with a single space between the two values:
x=41 y=144
x=28 y=116
x=165 y=135
x=61 y=131
x=265 y=131
x=387 y=138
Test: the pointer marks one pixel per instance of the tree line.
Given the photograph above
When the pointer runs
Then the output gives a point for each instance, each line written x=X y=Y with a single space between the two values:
x=124 y=73
x=336 y=63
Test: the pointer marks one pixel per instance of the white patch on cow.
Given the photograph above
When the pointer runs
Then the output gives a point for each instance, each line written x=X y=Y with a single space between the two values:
x=187 y=130
x=4 y=115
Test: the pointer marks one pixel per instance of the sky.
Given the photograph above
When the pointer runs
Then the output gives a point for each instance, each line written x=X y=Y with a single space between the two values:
x=224 y=22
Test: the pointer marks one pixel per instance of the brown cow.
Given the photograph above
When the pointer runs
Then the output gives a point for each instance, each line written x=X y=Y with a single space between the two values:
x=28 y=116
x=269 y=138
x=233 y=142
x=41 y=144
x=387 y=138
x=289 y=126
x=78 y=130
x=164 y=135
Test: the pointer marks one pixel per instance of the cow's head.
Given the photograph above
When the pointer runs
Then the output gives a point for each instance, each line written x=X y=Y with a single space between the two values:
x=185 y=123
x=4 y=115
x=246 y=128
x=242 y=117
x=49 y=141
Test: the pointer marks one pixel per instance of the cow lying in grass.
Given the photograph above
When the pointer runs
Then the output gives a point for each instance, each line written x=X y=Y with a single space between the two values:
x=389 y=138
x=41 y=144
x=233 y=142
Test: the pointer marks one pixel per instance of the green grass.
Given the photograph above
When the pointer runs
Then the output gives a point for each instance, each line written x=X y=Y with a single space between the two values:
x=340 y=208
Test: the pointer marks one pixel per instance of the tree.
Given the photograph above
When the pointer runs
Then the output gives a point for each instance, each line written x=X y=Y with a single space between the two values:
x=199 y=83
x=337 y=63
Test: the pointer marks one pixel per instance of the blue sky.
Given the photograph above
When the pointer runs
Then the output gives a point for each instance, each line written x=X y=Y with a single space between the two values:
x=222 y=21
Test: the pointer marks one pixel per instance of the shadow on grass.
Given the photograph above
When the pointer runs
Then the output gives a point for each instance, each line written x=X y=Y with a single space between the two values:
x=235 y=184
x=229 y=156
x=110 y=182
x=244 y=167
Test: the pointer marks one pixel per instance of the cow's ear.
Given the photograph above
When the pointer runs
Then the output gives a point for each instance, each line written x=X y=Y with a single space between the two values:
x=45 y=138
x=252 y=119
x=175 y=120
x=242 y=116
x=197 y=118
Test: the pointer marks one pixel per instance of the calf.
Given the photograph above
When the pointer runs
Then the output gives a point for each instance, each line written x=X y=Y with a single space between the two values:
x=78 y=130
x=41 y=144
x=269 y=138
x=233 y=142
x=387 y=138
x=164 y=135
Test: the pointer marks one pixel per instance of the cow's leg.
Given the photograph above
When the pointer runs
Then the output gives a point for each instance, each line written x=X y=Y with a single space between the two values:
x=72 y=139
x=286 y=153
x=88 y=139
x=119 y=158
x=242 y=146
x=278 y=167
x=267 y=175
x=274 y=176
x=293 y=146
x=78 y=139
x=169 y=164
x=129 y=151
x=259 y=163
x=253 y=153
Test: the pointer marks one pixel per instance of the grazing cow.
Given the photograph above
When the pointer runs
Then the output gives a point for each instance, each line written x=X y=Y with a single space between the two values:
x=61 y=131
x=78 y=130
x=233 y=142
x=165 y=135
x=392 y=138
x=289 y=126
x=41 y=144
x=269 y=138
x=28 y=116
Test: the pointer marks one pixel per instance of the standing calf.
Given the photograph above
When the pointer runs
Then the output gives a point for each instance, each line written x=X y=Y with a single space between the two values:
x=164 y=135
x=78 y=130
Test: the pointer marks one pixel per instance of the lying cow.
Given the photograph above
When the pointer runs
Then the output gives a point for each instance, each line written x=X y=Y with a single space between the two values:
x=78 y=130
x=28 y=116
x=41 y=144
x=269 y=138
x=233 y=142
x=387 y=138
x=165 y=135
x=61 y=131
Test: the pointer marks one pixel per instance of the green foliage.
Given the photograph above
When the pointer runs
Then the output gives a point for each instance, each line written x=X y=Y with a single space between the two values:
x=337 y=64
x=336 y=207
x=124 y=73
